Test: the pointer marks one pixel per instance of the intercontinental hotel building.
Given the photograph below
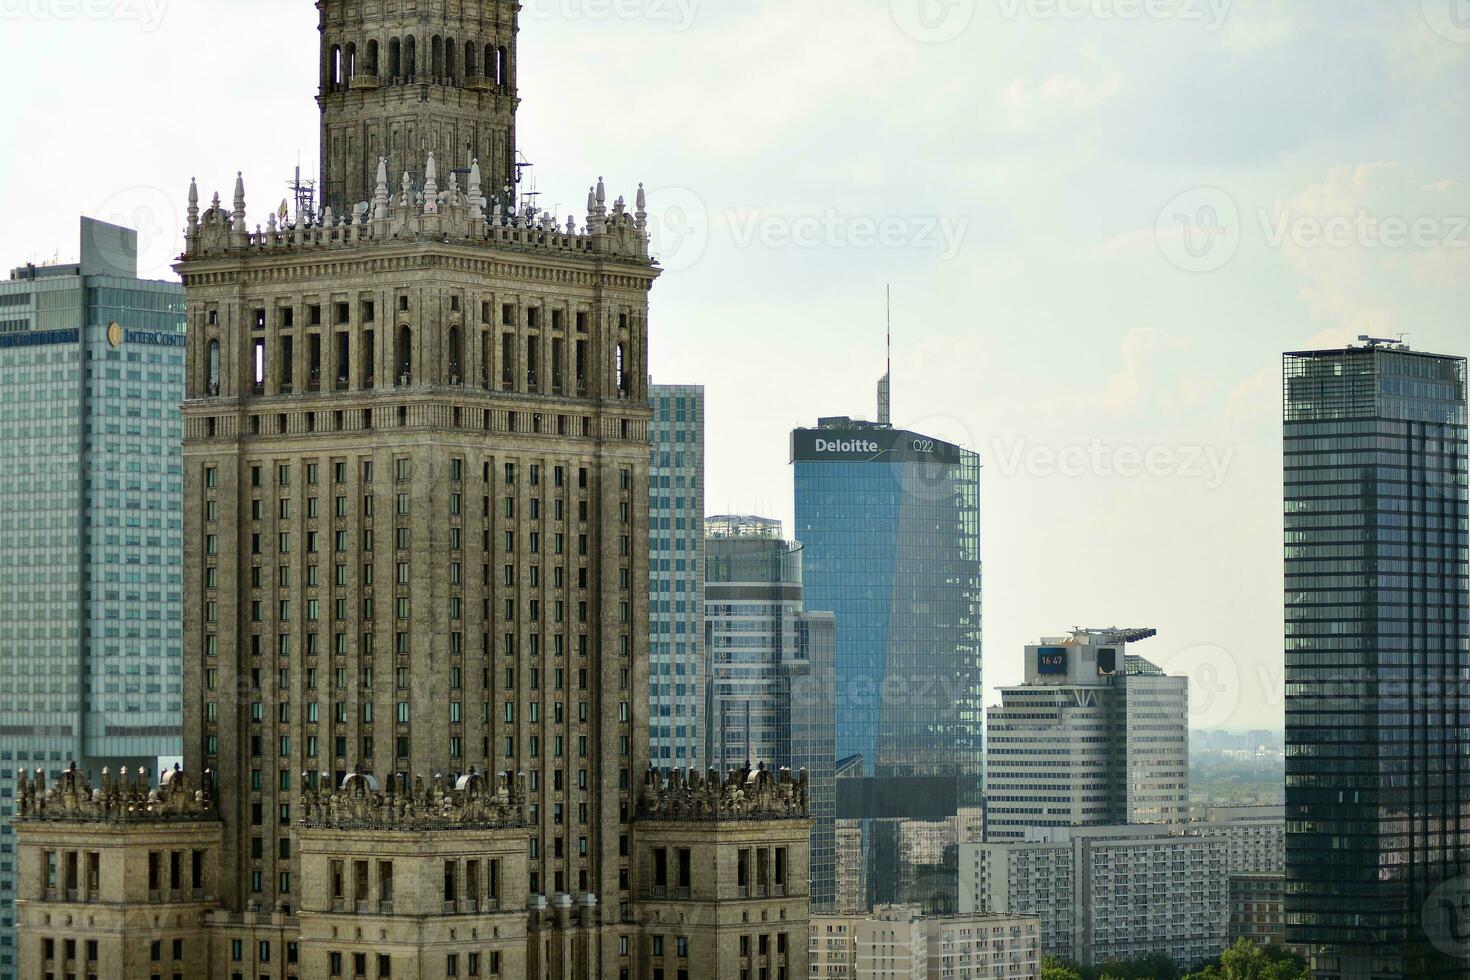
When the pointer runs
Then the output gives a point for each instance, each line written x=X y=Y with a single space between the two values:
x=415 y=563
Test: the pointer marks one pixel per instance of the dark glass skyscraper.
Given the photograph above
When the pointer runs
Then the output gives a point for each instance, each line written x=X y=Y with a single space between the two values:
x=890 y=524
x=1377 y=660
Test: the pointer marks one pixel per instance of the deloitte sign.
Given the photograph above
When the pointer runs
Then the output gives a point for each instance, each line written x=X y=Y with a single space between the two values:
x=869 y=446
x=846 y=447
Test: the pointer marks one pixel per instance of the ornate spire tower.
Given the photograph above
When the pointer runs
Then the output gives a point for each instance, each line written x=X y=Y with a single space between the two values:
x=402 y=80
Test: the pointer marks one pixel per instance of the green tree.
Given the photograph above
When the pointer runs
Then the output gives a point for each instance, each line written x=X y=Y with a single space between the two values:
x=1054 y=969
x=1247 y=961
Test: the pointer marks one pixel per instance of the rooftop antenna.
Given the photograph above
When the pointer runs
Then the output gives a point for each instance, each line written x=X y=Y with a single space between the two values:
x=885 y=389
x=303 y=194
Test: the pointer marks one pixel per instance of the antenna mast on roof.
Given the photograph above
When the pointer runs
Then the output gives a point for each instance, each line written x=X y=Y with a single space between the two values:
x=885 y=386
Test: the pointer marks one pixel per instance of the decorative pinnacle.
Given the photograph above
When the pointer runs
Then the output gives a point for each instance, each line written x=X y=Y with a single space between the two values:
x=431 y=186
x=240 y=203
x=475 y=194
x=193 y=203
x=380 y=193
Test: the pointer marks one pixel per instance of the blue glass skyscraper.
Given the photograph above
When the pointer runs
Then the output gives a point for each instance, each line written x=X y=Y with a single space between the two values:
x=91 y=546
x=890 y=522
x=1377 y=662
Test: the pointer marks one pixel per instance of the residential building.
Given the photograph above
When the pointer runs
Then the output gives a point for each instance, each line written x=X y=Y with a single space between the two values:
x=676 y=662
x=416 y=583
x=890 y=524
x=771 y=683
x=898 y=942
x=1377 y=652
x=1095 y=736
x=1108 y=893
x=1258 y=910
x=1255 y=836
x=91 y=523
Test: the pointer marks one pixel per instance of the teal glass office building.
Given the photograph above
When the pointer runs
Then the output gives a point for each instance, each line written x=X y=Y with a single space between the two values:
x=1377 y=662
x=91 y=535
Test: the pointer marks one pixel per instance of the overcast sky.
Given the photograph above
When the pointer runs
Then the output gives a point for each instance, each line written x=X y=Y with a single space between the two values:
x=1103 y=220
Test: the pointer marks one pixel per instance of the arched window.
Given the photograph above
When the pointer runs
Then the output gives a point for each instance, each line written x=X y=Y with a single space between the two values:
x=405 y=355
x=372 y=58
x=502 y=66
x=410 y=58
x=351 y=69
x=451 y=56
x=456 y=359
x=436 y=57
x=213 y=387
x=334 y=70
x=622 y=368
x=469 y=60
x=395 y=58
x=490 y=62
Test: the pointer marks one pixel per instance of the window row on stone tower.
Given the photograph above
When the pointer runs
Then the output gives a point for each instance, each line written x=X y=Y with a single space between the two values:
x=539 y=377
x=446 y=62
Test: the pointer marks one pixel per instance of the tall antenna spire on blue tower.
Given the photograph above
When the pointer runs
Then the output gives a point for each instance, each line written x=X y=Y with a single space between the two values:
x=885 y=386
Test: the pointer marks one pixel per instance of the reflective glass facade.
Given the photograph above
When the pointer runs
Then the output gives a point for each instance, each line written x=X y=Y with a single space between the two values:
x=90 y=524
x=890 y=525
x=1377 y=659
x=771 y=680
x=676 y=679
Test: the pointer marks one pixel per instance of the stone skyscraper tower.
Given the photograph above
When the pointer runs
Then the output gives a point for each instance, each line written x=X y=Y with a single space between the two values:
x=402 y=81
x=416 y=581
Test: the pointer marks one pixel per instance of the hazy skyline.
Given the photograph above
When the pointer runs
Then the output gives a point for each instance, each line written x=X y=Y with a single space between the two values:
x=1103 y=220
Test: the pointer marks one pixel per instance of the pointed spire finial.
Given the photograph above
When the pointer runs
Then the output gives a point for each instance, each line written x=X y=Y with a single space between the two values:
x=476 y=195
x=239 y=214
x=431 y=186
x=380 y=192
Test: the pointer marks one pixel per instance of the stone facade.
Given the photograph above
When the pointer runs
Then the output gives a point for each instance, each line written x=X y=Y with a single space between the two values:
x=723 y=886
x=416 y=485
x=115 y=882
